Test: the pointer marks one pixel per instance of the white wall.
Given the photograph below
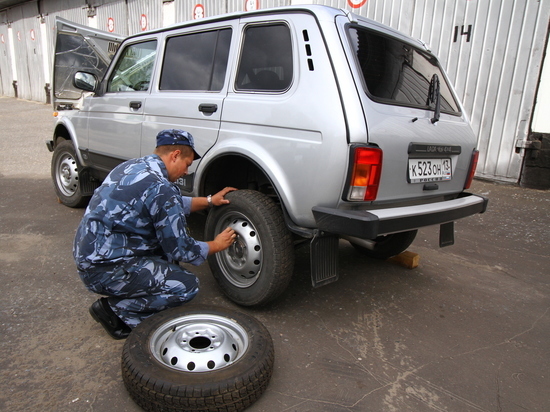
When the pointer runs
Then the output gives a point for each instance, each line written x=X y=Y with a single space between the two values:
x=541 y=116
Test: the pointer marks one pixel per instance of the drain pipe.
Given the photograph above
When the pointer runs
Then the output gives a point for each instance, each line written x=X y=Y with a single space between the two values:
x=48 y=95
x=14 y=84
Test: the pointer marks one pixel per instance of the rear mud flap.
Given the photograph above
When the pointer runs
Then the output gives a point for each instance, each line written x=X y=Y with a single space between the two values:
x=88 y=184
x=324 y=260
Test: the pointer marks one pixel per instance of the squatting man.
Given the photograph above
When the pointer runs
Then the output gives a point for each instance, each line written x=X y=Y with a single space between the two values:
x=134 y=234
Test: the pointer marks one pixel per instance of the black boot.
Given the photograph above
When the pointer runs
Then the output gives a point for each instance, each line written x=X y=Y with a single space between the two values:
x=102 y=313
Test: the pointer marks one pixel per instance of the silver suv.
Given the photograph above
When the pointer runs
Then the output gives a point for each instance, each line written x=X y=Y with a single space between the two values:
x=334 y=126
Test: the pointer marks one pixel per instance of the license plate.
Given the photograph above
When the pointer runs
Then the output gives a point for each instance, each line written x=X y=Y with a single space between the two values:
x=429 y=170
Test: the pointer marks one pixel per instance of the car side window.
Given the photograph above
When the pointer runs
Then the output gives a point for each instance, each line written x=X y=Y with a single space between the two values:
x=196 y=61
x=266 y=59
x=134 y=68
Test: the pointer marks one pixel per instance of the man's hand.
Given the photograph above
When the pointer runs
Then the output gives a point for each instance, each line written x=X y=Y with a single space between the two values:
x=201 y=203
x=222 y=241
x=219 y=198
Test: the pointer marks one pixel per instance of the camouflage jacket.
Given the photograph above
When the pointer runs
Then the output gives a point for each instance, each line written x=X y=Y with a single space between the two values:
x=137 y=211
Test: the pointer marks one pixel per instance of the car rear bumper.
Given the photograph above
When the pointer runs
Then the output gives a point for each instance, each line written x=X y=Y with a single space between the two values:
x=368 y=224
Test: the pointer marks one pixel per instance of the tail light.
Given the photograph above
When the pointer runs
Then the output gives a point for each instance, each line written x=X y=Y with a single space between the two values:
x=472 y=171
x=365 y=174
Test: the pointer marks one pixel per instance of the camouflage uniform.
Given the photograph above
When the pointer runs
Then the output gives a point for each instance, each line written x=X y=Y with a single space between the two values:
x=131 y=237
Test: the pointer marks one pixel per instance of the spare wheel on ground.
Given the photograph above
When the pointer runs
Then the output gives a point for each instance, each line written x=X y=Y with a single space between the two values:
x=197 y=358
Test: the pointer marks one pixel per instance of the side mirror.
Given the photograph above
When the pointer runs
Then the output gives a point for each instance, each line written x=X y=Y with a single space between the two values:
x=85 y=81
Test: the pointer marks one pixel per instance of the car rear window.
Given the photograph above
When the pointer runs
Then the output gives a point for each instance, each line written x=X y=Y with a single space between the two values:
x=266 y=59
x=395 y=72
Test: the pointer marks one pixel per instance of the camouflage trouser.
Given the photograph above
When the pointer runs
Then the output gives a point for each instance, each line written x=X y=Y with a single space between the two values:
x=141 y=286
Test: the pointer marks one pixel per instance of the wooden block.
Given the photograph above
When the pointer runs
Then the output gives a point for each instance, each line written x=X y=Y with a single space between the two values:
x=407 y=259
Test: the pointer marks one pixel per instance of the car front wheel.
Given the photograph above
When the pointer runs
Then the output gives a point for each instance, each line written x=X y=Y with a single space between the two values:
x=65 y=175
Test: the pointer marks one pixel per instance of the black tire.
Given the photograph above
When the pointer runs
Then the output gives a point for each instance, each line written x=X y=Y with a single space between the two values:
x=65 y=169
x=240 y=344
x=388 y=245
x=258 y=267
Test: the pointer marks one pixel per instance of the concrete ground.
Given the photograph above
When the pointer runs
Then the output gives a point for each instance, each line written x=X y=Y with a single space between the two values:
x=468 y=330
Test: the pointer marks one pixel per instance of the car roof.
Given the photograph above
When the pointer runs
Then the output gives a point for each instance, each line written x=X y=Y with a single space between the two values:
x=321 y=12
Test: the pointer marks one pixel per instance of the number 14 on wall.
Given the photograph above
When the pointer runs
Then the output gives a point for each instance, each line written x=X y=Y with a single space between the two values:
x=463 y=32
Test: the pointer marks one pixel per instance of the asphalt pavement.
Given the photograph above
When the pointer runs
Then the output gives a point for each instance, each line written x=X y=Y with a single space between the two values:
x=467 y=330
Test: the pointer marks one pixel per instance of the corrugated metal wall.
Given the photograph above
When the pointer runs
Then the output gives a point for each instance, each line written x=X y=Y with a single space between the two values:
x=73 y=11
x=189 y=10
x=5 y=58
x=32 y=69
x=492 y=51
x=144 y=15
x=113 y=17
x=27 y=53
x=186 y=10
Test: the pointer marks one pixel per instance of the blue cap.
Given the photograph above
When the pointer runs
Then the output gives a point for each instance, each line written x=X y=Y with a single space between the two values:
x=175 y=136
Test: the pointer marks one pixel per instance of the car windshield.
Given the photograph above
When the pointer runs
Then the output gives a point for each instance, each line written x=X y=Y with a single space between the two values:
x=395 y=72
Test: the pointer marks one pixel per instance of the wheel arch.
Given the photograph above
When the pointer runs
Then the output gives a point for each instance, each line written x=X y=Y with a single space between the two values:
x=88 y=180
x=254 y=170
x=244 y=173
x=64 y=130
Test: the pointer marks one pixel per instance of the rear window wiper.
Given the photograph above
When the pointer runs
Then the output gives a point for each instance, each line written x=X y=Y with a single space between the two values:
x=434 y=96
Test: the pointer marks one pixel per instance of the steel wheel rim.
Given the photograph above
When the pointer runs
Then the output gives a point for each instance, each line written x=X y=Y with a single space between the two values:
x=199 y=343
x=242 y=262
x=67 y=175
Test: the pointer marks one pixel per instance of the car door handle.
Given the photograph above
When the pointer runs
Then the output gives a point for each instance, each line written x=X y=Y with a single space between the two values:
x=208 y=107
x=135 y=105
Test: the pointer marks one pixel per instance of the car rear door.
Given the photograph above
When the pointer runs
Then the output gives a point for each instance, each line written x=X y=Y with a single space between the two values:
x=190 y=87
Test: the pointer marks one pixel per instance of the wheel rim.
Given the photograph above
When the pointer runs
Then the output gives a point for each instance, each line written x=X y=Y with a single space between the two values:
x=242 y=262
x=199 y=343
x=67 y=175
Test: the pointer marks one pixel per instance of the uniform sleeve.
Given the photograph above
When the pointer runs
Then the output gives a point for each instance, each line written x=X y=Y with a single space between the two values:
x=186 y=201
x=168 y=212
